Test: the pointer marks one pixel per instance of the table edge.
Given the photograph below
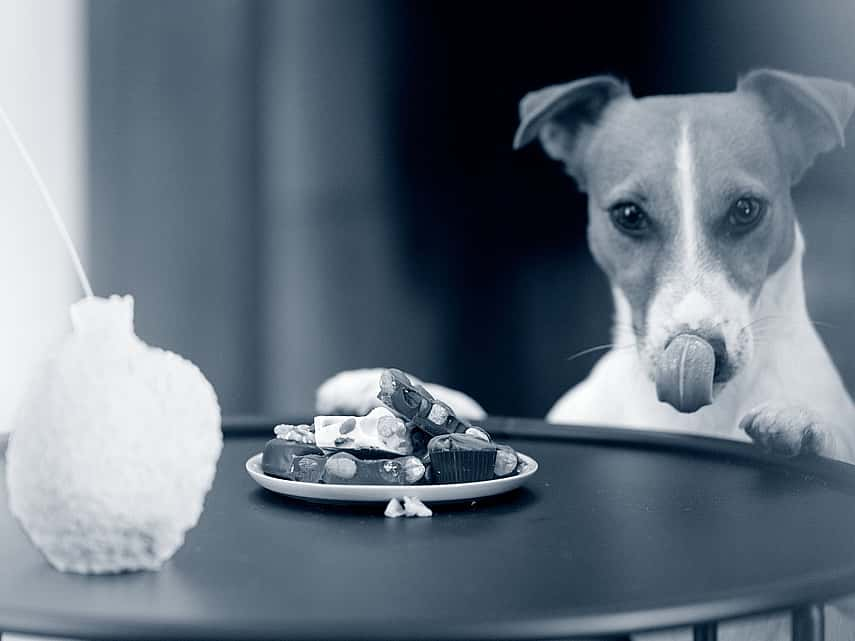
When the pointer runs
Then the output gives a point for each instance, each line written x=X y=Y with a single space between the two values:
x=568 y=626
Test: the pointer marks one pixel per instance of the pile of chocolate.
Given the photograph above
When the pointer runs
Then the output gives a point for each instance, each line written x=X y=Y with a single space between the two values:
x=413 y=439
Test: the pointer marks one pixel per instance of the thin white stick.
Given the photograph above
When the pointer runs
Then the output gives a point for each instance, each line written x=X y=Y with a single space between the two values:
x=60 y=225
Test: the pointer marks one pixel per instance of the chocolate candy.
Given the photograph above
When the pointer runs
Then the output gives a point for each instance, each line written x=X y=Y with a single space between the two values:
x=416 y=405
x=506 y=460
x=466 y=458
x=477 y=432
x=308 y=468
x=457 y=458
x=449 y=442
x=346 y=468
x=279 y=455
x=684 y=378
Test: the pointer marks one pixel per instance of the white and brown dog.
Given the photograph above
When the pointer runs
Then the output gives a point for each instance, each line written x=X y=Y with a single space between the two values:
x=691 y=218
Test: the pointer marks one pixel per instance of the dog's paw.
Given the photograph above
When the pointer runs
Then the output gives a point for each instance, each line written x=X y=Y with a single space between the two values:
x=789 y=430
x=354 y=392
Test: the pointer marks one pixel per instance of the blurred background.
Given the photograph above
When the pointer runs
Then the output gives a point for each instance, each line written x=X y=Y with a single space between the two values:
x=292 y=188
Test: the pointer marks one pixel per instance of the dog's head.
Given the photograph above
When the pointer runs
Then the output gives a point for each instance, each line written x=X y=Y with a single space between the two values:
x=689 y=196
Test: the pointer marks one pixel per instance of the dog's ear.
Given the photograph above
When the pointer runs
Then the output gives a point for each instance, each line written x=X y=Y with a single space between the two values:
x=562 y=116
x=808 y=114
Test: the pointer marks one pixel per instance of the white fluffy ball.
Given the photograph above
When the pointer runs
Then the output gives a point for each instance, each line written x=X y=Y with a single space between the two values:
x=114 y=447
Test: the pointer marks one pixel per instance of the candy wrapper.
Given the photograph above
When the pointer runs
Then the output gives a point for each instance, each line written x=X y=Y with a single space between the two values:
x=114 y=448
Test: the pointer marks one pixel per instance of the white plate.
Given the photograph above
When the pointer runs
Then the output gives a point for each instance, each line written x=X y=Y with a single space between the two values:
x=382 y=493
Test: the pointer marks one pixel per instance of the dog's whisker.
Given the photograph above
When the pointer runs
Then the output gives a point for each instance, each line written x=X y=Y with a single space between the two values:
x=757 y=325
x=763 y=324
x=823 y=324
x=764 y=319
x=590 y=350
x=598 y=348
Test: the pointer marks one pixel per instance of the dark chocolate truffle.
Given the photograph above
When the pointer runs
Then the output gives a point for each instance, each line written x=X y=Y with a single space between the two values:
x=457 y=458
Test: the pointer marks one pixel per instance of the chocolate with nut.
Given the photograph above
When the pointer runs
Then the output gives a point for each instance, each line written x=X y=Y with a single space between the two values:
x=416 y=405
x=279 y=455
x=346 y=468
x=507 y=460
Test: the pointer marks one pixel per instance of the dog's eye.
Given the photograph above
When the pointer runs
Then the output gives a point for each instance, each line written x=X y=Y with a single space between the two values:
x=746 y=212
x=629 y=218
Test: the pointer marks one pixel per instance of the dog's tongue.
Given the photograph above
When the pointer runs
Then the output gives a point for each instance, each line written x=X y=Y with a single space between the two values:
x=685 y=375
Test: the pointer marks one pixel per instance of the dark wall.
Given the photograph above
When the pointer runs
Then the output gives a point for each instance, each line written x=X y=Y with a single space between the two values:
x=292 y=188
x=512 y=272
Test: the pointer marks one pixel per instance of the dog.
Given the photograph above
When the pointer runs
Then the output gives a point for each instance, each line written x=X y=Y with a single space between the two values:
x=691 y=218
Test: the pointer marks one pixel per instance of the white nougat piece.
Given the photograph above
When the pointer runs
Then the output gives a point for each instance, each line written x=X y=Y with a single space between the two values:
x=379 y=429
x=414 y=507
x=411 y=507
x=114 y=447
x=394 y=509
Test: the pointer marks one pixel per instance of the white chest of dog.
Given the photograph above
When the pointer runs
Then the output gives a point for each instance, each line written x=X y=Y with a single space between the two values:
x=691 y=218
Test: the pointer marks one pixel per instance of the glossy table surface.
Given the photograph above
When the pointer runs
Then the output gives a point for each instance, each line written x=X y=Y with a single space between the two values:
x=620 y=530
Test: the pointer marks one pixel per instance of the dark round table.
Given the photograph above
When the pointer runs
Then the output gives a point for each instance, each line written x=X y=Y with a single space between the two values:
x=619 y=531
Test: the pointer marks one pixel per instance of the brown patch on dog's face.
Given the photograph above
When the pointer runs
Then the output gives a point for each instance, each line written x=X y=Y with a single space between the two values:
x=698 y=168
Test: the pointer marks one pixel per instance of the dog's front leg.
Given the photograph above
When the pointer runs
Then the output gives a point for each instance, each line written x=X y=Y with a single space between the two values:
x=793 y=430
